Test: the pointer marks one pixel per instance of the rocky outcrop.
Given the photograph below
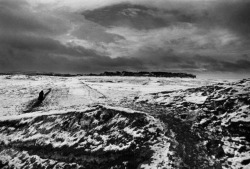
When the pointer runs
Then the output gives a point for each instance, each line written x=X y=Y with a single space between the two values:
x=97 y=137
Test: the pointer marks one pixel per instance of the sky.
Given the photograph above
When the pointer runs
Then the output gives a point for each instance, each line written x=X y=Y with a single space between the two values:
x=83 y=36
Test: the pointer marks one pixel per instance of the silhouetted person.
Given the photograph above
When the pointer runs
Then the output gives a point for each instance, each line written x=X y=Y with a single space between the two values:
x=41 y=96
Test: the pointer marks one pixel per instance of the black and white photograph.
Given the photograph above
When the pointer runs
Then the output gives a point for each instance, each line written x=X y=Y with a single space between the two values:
x=124 y=84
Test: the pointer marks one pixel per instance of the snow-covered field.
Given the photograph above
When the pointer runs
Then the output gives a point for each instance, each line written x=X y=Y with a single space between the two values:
x=18 y=91
x=124 y=122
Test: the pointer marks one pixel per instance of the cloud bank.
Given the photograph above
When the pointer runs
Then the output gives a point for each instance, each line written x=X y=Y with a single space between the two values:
x=93 y=36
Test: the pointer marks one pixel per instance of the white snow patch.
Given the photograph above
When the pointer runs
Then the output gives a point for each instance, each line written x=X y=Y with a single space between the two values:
x=196 y=98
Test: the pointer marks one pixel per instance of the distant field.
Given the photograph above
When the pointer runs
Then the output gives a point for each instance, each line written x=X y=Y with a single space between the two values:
x=17 y=91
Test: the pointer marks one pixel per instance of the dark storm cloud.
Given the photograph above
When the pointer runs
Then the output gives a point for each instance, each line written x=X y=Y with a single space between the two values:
x=240 y=17
x=25 y=60
x=17 y=16
x=240 y=65
x=94 y=33
x=211 y=64
x=15 y=20
x=137 y=16
x=28 y=40
x=43 y=44
x=157 y=37
x=31 y=43
x=231 y=15
x=221 y=26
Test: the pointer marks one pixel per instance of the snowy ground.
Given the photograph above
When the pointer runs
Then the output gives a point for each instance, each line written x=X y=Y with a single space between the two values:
x=83 y=122
x=19 y=91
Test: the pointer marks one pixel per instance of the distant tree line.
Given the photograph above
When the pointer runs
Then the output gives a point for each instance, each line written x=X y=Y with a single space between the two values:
x=117 y=73
x=145 y=74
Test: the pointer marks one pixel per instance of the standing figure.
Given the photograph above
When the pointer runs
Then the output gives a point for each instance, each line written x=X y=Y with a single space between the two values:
x=41 y=96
